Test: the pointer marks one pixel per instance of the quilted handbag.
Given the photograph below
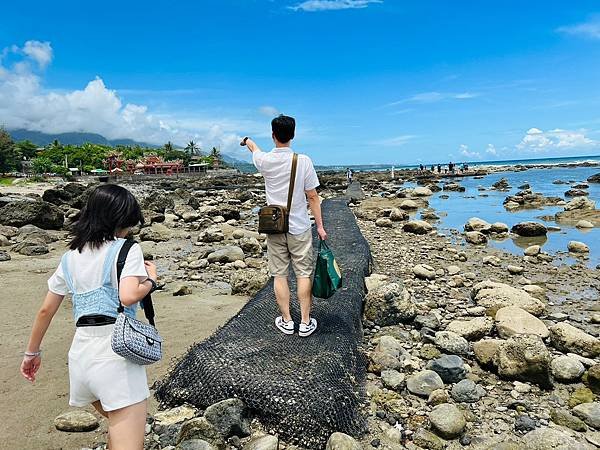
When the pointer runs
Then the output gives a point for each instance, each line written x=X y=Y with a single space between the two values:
x=132 y=339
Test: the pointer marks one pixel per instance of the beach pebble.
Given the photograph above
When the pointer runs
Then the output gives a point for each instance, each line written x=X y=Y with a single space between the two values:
x=341 y=441
x=532 y=250
x=424 y=383
x=466 y=391
x=76 y=421
x=566 y=369
x=578 y=247
x=584 y=224
x=447 y=420
x=424 y=272
x=450 y=368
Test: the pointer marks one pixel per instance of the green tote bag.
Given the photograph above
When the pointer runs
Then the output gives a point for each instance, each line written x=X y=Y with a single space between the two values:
x=328 y=277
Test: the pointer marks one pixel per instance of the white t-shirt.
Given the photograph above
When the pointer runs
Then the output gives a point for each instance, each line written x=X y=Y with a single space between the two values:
x=86 y=269
x=276 y=167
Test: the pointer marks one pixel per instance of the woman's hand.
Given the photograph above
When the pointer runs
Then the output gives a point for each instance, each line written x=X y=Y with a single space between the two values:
x=151 y=270
x=30 y=366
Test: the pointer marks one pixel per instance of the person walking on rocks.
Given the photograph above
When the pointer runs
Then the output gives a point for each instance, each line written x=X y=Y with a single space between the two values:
x=115 y=386
x=349 y=176
x=295 y=246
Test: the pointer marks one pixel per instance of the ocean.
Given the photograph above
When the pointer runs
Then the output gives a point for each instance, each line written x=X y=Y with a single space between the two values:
x=509 y=162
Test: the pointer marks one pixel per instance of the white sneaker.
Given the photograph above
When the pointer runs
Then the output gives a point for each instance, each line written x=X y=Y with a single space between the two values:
x=284 y=327
x=307 y=330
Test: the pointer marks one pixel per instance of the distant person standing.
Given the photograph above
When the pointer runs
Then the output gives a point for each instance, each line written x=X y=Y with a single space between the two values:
x=349 y=176
x=296 y=246
x=439 y=168
x=421 y=167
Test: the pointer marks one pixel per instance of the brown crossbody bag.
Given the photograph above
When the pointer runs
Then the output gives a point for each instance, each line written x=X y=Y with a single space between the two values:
x=275 y=219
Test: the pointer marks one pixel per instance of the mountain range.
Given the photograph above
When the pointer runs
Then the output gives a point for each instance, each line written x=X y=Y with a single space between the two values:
x=79 y=138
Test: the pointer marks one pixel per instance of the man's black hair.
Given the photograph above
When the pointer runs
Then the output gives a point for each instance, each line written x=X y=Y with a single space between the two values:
x=109 y=208
x=283 y=128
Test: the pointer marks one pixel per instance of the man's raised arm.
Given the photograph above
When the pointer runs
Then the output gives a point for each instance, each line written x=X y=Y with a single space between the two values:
x=250 y=144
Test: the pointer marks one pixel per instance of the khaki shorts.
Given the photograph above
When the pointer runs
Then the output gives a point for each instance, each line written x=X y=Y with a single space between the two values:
x=283 y=248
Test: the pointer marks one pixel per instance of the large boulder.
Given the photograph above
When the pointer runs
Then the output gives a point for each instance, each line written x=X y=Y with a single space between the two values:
x=389 y=304
x=525 y=358
x=477 y=224
x=76 y=421
x=247 y=282
x=511 y=320
x=594 y=178
x=589 y=413
x=475 y=238
x=158 y=201
x=493 y=296
x=39 y=213
x=417 y=227
x=157 y=232
x=229 y=253
x=567 y=338
x=472 y=329
x=230 y=417
x=580 y=203
x=551 y=439
x=529 y=229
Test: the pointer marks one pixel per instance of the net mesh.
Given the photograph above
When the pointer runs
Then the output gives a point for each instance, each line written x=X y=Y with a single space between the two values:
x=304 y=389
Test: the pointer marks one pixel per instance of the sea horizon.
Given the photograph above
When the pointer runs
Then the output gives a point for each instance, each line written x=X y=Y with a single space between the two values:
x=506 y=162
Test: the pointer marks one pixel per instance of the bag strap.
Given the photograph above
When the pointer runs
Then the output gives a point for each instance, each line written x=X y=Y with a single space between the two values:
x=292 y=182
x=147 y=300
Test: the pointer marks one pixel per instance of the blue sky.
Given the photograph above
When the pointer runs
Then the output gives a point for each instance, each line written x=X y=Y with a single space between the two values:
x=368 y=81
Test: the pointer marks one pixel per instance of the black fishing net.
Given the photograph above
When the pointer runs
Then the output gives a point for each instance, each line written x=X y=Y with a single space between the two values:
x=304 y=389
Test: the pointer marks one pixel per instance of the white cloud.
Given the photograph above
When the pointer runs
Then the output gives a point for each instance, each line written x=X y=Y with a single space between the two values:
x=40 y=52
x=589 y=29
x=464 y=151
x=433 y=97
x=491 y=150
x=269 y=111
x=24 y=103
x=331 y=5
x=396 y=141
x=536 y=140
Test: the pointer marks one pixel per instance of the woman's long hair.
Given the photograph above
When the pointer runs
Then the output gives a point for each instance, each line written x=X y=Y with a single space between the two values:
x=109 y=208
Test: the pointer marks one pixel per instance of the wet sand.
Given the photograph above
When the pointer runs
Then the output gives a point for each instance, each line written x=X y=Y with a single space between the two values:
x=28 y=411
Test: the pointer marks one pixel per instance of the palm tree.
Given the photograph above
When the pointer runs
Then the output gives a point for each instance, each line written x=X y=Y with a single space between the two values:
x=168 y=147
x=191 y=148
x=215 y=155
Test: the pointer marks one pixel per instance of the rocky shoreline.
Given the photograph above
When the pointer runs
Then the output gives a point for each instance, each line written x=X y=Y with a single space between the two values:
x=469 y=346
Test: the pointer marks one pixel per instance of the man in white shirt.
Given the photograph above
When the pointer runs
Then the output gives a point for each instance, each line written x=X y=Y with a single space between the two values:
x=296 y=245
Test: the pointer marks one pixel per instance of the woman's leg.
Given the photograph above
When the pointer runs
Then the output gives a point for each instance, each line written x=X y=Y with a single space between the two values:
x=99 y=408
x=127 y=427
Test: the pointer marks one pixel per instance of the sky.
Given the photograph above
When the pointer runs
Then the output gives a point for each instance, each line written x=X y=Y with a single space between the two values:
x=368 y=81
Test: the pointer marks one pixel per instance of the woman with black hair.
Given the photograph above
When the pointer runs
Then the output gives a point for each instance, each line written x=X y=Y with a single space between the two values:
x=116 y=387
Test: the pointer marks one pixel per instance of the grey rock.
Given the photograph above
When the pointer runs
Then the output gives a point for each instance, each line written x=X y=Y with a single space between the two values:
x=4 y=256
x=551 y=439
x=589 y=413
x=493 y=296
x=229 y=417
x=512 y=320
x=451 y=343
x=247 y=282
x=417 y=226
x=447 y=421
x=341 y=441
x=472 y=329
x=424 y=383
x=475 y=237
x=265 y=442
x=389 y=304
x=524 y=424
x=578 y=247
x=567 y=369
x=39 y=213
x=466 y=391
x=229 y=253
x=424 y=272
x=392 y=379
x=194 y=444
x=450 y=368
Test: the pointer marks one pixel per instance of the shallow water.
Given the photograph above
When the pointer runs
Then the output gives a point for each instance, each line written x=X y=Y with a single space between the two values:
x=487 y=205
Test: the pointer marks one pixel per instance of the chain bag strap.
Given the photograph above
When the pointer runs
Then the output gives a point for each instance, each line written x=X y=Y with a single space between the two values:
x=132 y=339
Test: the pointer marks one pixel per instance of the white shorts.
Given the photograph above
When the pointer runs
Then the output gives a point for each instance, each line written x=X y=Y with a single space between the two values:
x=98 y=373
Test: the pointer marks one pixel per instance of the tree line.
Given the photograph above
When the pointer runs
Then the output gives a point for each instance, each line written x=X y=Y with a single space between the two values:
x=87 y=157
